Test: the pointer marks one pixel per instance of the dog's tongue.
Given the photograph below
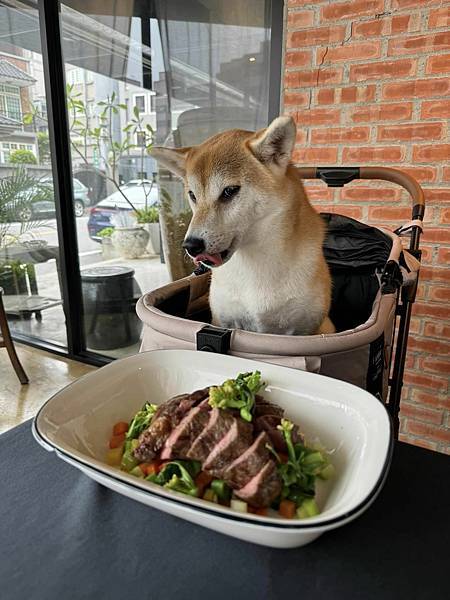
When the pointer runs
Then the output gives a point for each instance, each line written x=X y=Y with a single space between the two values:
x=215 y=259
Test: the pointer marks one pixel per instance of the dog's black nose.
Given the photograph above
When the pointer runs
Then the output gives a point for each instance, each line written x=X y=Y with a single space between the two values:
x=194 y=245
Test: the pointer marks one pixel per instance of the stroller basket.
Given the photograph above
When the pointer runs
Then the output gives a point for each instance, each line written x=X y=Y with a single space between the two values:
x=374 y=282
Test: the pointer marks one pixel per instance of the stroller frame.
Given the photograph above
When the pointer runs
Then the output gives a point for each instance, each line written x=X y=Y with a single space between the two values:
x=374 y=350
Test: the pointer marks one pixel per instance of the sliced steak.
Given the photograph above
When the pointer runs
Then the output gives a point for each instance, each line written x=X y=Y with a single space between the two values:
x=264 y=407
x=235 y=442
x=269 y=424
x=186 y=432
x=220 y=421
x=244 y=468
x=263 y=488
x=168 y=415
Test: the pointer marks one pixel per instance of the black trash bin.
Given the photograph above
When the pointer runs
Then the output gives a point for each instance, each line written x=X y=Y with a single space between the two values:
x=109 y=296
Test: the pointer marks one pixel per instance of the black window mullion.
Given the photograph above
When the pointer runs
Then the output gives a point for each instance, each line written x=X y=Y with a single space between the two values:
x=54 y=74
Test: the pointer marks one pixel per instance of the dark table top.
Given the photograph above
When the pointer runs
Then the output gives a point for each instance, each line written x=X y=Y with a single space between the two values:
x=63 y=536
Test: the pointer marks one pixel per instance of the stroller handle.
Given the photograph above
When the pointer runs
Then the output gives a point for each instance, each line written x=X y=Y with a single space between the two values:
x=339 y=176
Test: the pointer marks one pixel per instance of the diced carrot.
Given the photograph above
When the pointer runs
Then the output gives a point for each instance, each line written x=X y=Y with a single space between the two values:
x=143 y=467
x=262 y=512
x=117 y=440
x=202 y=481
x=153 y=467
x=287 y=509
x=120 y=427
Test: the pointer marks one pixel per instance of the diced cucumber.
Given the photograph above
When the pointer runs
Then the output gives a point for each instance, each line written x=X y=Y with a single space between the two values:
x=136 y=471
x=308 y=509
x=128 y=462
x=211 y=496
x=114 y=456
x=239 y=505
x=327 y=473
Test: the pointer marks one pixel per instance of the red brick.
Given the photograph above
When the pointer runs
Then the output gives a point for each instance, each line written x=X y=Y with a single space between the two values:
x=444 y=217
x=314 y=155
x=421 y=413
x=296 y=98
x=438 y=64
x=355 y=212
x=370 y=194
x=325 y=96
x=434 y=153
x=395 y=111
x=404 y=23
x=419 y=88
x=430 y=399
x=298 y=58
x=392 y=69
x=427 y=381
x=428 y=131
x=435 y=274
x=427 y=254
x=446 y=174
x=437 y=195
x=348 y=52
x=413 y=441
x=349 y=10
x=377 y=27
x=319 y=193
x=314 y=37
x=302 y=2
x=359 y=93
x=340 y=134
x=439 y=294
x=439 y=18
x=299 y=79
x=301 y=136
x=436 y=329
x=428 y=430
x=441 y=311
x=413 y=3
x=435 y=109
x=300 y=18
x=436 y=365
x=373 y=154
x=389 y=213
x=421 y=174
x=318 y=116
x=416 y=44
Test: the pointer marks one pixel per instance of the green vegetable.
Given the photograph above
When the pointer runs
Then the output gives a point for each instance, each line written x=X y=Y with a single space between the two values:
x=237 y=393
x=299 y=473
x=136 y=471
x=307 y=509
x=141 y=421
x=128 y=461
x=221 y=489
x=178 y=475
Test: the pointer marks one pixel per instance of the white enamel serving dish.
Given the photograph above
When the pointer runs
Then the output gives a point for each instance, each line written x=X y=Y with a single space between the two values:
x=76 y=423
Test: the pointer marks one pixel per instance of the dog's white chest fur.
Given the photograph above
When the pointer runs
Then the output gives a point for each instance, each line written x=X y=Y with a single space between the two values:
x=256 y=294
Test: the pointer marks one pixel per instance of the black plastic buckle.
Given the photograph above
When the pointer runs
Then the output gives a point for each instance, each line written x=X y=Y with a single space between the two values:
x=214 y=339
x=391 y=278
x=337 y=176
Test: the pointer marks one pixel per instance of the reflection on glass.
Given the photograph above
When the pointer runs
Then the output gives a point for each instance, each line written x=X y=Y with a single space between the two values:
x=29 y=253
x=162 y=72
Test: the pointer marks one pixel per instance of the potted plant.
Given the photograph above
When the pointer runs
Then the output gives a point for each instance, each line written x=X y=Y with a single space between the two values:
x=149 y=217
x=129 y=239
x=108 y=250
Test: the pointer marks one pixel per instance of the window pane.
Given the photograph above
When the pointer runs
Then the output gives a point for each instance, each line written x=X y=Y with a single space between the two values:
x=29 y=252
x=172 y=72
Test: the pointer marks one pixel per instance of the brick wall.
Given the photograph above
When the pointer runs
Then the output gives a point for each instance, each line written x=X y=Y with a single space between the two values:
x=368 y=82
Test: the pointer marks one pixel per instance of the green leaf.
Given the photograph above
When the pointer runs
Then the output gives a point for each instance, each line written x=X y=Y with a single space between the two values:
x=123 y=106
x=136 y=112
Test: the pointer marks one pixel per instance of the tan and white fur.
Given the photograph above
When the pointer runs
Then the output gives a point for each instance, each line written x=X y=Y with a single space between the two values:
x=264 y=243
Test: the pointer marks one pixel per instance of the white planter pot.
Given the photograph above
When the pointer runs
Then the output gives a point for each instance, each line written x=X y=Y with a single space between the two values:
x=108 y=249
x=130 y=242
x=154 y=246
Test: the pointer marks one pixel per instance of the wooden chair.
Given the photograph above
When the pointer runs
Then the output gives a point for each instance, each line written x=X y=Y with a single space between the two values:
x=7 y=342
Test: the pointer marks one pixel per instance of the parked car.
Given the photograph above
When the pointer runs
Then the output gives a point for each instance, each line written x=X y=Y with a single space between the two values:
x=101 y=214
x=43 y=203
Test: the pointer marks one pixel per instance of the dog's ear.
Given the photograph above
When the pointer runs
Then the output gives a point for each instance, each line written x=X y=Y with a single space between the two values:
x=172 y=158
x=273 y=146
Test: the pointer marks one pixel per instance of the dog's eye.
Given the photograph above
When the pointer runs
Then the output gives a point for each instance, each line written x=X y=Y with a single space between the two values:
x=229 y=192
x=192 y=196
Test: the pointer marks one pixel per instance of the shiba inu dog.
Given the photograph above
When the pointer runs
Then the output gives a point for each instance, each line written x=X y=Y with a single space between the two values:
x=253 y=226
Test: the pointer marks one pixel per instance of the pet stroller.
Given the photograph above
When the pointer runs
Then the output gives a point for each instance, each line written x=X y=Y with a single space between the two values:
x=374 y=286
